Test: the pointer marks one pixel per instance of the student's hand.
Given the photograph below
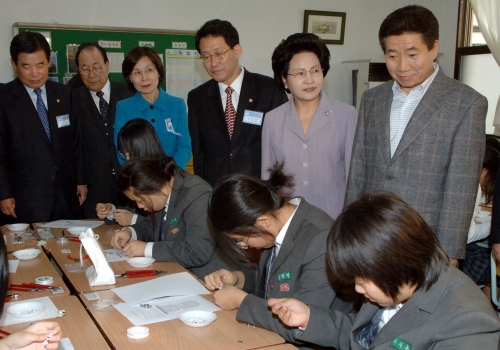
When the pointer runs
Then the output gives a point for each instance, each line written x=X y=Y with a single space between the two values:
x=81 y=192
x=121 y=238
x=229 y=297
x=291 y=312
x=454 y=262
x=218 y=279
x=496 y=250
x=123 y=217
x=134 y=248
x=7 y=206
x=33 y=337
x=103 y=210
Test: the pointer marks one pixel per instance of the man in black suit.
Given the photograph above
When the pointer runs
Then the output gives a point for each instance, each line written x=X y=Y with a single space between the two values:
x=41 y=170
x=94 y=105
x=226 y=114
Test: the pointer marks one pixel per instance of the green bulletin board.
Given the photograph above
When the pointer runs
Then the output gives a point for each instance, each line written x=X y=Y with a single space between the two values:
x=113 y=39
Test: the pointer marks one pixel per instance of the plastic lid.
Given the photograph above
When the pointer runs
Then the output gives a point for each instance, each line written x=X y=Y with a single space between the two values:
x=44 y=280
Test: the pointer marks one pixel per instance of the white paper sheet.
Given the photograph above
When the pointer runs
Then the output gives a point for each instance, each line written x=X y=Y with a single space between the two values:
x=13 y=264
x=177 y=284
x=50 y=311
x=73 y=223
x=164 y=309
x=65 y=344
x=115 y=255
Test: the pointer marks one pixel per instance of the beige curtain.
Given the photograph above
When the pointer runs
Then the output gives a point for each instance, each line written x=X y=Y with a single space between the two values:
x=488 y=17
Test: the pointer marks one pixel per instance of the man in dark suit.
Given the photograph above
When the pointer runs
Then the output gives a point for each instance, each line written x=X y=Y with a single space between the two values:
x=226 y=114
x=41 y=176
x=94 y=105
x=421 y=135
x=495 y=221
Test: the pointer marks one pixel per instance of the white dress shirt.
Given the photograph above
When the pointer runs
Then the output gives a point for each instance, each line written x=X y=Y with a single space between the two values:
x=33 y=96
x=236 y=85
x=107 y=92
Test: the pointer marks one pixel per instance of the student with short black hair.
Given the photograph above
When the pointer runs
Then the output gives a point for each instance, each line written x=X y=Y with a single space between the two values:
x=415 y=299
x=246 y=211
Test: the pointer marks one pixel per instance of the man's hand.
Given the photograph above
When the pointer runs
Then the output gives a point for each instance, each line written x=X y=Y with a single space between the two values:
x=81 y=192
x=7 y=206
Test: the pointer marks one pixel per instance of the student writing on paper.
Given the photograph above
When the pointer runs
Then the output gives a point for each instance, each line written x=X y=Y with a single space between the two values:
x=246 y=211
x=415 y=298
x=33 y=336
x=177 y=229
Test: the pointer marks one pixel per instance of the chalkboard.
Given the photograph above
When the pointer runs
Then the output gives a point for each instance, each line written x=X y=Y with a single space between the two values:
x=65 y=39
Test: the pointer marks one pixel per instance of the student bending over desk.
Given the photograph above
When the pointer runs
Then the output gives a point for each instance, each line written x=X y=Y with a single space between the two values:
x=33 y=336
x=246 y=211
x=415 y=298
x=177 y=229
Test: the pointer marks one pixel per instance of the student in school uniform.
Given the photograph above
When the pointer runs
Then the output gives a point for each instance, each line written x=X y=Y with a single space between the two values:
x=246 y=211
x=177 y=229
x=415 y=298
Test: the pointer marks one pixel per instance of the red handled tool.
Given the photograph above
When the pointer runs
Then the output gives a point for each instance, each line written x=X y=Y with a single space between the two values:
x=140 y=273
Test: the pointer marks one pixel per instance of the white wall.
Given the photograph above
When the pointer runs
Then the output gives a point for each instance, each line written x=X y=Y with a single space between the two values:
x=262 y=24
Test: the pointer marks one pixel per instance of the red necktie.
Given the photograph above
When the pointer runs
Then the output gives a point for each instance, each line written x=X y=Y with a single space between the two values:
x=230 y=111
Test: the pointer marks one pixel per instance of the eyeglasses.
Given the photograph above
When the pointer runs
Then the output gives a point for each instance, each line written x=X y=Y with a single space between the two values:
x=147 y=71
x=302 y=73
x=95 y=69
x=218 y=56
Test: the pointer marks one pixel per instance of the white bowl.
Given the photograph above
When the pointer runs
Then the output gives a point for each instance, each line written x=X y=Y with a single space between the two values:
x=17 y=227
x=140 y=262
x=26 y=310
x=77 y=230
x=197 y=318
x=27 y=254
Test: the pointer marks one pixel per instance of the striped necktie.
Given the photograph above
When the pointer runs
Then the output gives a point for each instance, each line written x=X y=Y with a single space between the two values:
x=42 y=111
x=230 y=111
x=269 y=265
x=103 y=105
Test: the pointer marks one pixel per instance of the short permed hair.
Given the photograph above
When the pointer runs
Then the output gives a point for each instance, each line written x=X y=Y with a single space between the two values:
x=90 y=45
x=382 y=239
x=294 y=44
x=413 y=19
x=217 y=27
x=134 y=56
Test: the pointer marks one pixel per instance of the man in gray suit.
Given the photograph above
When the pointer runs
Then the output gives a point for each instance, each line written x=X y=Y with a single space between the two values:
x=420 y=136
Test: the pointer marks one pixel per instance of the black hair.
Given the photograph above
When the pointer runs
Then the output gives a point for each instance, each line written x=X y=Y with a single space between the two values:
x=294 y=44
x=413 y=19
x=4 y=275
x=134 y=56
x=491 y=162
x=217 y=27
x=90 y=45
x=382 y=239
x=28 y=42
x=139 y=138
x=236 y=203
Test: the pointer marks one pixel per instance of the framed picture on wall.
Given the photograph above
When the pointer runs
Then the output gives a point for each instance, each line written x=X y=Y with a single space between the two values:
x=329 y=26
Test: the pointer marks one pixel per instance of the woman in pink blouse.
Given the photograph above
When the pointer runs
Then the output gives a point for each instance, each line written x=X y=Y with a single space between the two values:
x=312 y=133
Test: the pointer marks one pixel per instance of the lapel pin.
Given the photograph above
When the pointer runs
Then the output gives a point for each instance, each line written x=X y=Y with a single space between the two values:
x=250 y=100
x=175 y=230
x=58 y=100
x=284 y=287
x=329 y=113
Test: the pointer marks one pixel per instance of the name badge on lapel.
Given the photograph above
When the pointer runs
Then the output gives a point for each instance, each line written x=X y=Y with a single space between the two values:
x=253 y=117
x=170 y=127
x=285 y=276
x=63 y=120
x=174 y=220
x=400 y=344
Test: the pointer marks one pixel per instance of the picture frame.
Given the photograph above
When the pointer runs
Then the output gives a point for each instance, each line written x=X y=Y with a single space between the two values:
x=329 y=26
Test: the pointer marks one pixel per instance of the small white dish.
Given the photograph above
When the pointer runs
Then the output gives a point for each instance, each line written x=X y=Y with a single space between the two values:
x=17 y=227
x=77 y=230
x=138 y=332
x=26 y=310
x=27 y=254
x=197 y=318
x=140 y=262
x=44 y=280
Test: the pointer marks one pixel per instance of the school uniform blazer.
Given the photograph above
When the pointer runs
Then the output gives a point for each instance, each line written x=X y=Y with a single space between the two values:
x=99 y=152
x=319 y=160
x=214 y=153
x=35 y=172
x=165 y=107
x=452 y=314
x=299 y=271
x=437 y=163
x=187 y=238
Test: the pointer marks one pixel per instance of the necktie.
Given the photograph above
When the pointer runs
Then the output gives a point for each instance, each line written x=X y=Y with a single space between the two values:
x=42 y=111
x=103 y=105
x=269 y=265
x=368 y=333
x=230 y=111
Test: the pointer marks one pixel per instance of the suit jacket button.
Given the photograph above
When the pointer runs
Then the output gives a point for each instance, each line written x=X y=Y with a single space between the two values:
x=231 y=155
x=153 y=120
x=388 y=177
x=151 y=107
x=271 y=287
